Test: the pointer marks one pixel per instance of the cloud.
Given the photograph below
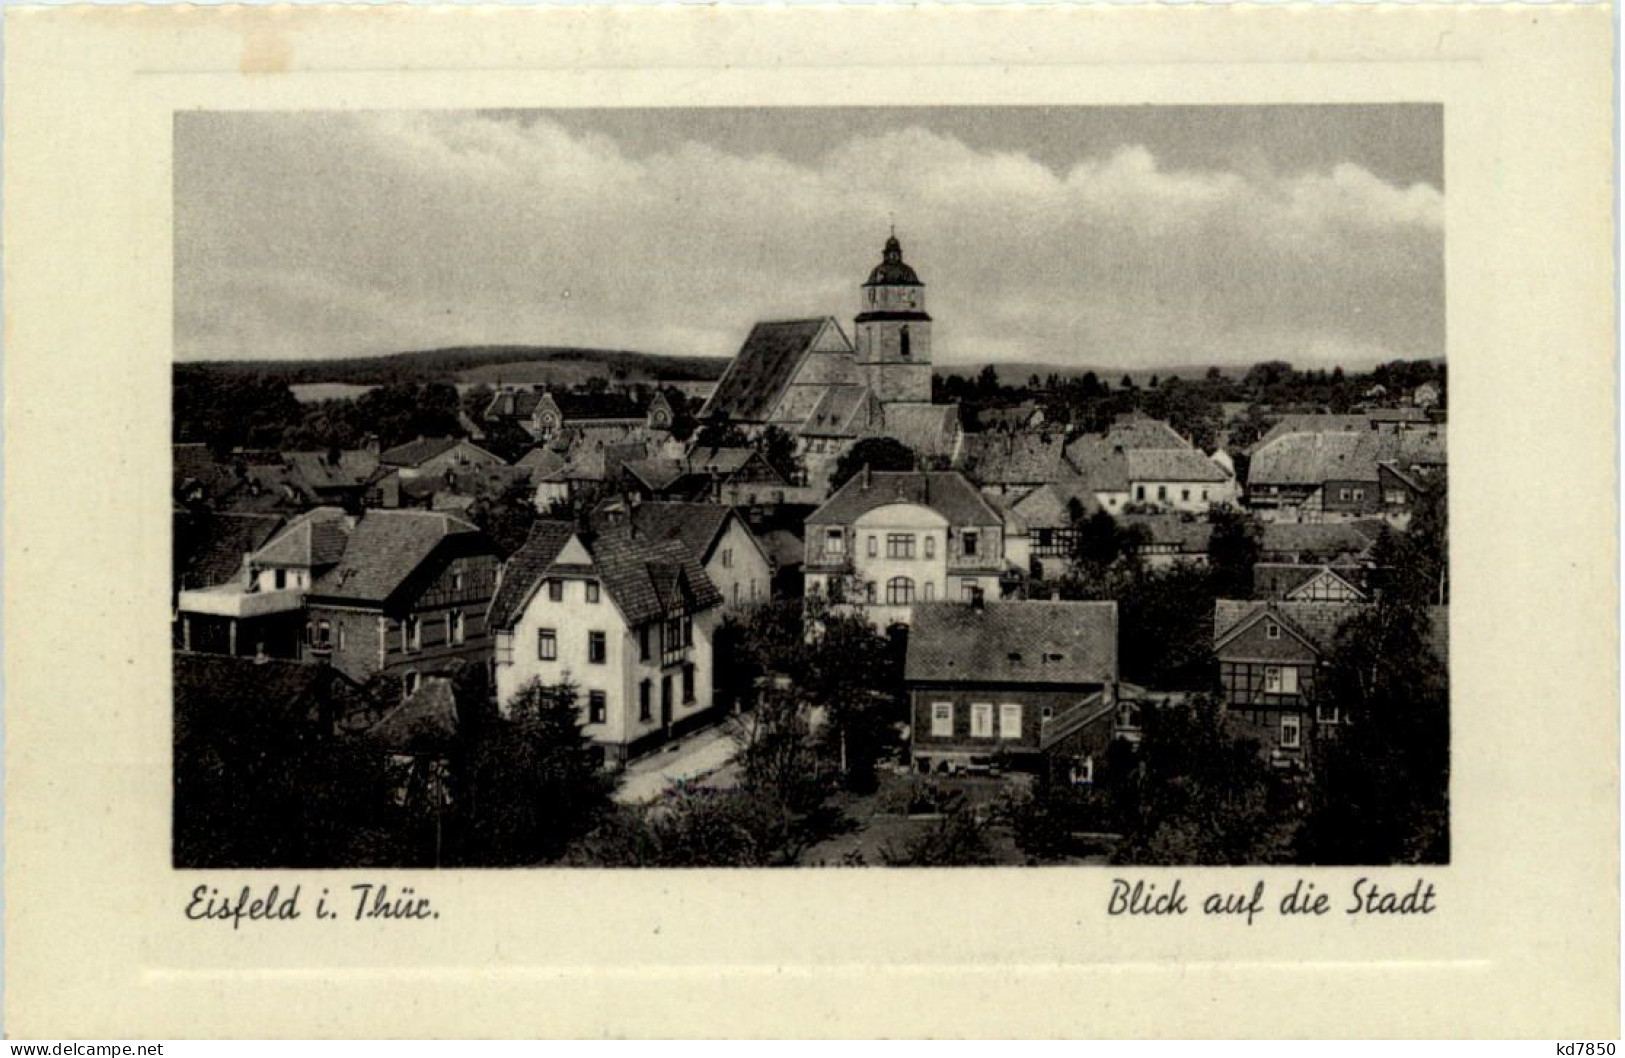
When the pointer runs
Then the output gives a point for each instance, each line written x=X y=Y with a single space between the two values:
x=345 y=233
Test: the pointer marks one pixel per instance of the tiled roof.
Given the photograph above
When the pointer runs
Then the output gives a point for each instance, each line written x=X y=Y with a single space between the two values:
x=1172 y=464
x=1132 y=433
x=1316 y=541
x=1277 y=580
x=1015 y=417
x=697 y=525
x=1315 y=622
x=587 y=407
x=840 y=412
x=541 y=462
x=215 y=544
x=383 y=550
x=526 y=567
x=1049 y=506
x=416 y=453
x=1013 y=642
x=657 y=474
x=427 y=720
x=928 y=429
x=1311 y=459
x=1015 y=459
x=946 y=492
x=341 y=470
x=750 y=388
x=1101 y=466
x=311 y=541
x=513 y=404
x=639 y=573
x=720 y=460
x=1191 y=535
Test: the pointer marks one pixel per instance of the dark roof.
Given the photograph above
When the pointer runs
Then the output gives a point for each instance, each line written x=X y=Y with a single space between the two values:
x=892 y=271
x=929 y=429
x=1172 y=464
x=1314 y=622
x=337 y=470
x=1049 y=506
x=641 y=574
x=1133 y=432
x=513 y=404
x=1191 y=535
x=765 y=365
x=586 y=407
x=840 y=412
x=215 y=544
x=1323 y=540
x=1015 y=458
x=1102 y=466
x=313 y=540
x=946 y=492
x=216 y=688
x=1312 y=459
x=525 y=569
x=1026 y=641
x=383 y=550
x=541 y=461
x=426 y=720
x=784 y=548
x=416 y=453
x=697 y=525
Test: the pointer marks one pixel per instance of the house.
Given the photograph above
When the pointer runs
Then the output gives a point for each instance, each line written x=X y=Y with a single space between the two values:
x=211 y=547
x=1102 y=469
x=1325 y=543
x=435 y=455
x=1294 y=582
x=334 y=477
x=1178 y=479
x=1170 y=539
x=1010 y=465
x=455 y=489
x=1009 y=682
x=627 y=618
x=732 y=476
x=1050 y=514
x=889 y=539
x=403 y=592
x=728 y=551
x=1335 y=476
x=418 y=741
x=1372 y=420
x=1271 y=656
x=602 y=411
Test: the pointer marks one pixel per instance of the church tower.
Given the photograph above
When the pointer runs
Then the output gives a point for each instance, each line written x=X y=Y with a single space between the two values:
x=894 y=332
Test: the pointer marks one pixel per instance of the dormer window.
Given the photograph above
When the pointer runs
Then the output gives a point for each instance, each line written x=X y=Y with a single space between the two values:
x=1272 y=630
x=968 y=541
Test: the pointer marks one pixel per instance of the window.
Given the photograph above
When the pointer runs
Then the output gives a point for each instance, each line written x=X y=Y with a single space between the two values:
x=1204 y=494
x=597 y=707
x=899 y=545
x=1128 y=717
x=968 y=541
x=455 y=630
x=929 y=592
x=874 y=545
x=903 y=339
x=981 y=720
x=414 y=633
x=281 y=579
x=596 y=648
x=869 y=593
x=456 y=580
x=1184 y=494
x=1010 y=720
x=1343 y=494
x=899 y=592
x=547 y=644
x=1280 y=680
x=1394 y=497
x=736 y=594
x=930 y=547
x=555 y=590
x=1359 y=494
x=727 y=558
x=834 y=542
x=1291 y=731
x=1328 y=714
x=1272 y=630
x=592 y=591
x=321 y=635
x=968 y=591
x=1083 y=771
x=643 y=642
x=1162 y=492
x=1139 y=492
x=942 y=719
x=643 y=700
x=688 y=683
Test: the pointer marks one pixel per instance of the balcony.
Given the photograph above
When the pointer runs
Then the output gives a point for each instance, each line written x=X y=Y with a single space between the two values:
x=230 y=600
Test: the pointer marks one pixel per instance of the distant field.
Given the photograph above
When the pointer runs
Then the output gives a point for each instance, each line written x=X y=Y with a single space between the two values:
x=532 y=372
x=311 y=392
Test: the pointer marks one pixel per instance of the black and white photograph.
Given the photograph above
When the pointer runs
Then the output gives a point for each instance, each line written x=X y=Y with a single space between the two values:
x=881 y=486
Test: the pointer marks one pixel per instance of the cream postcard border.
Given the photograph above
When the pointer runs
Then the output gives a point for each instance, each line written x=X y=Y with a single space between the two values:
x=1525 y=941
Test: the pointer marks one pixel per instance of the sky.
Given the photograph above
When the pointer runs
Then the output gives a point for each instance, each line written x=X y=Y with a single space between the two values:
x=1125 y=237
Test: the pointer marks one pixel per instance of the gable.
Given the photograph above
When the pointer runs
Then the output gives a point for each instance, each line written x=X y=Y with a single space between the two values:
x=574 y=553
x=1253 y=641
x=1323 y=586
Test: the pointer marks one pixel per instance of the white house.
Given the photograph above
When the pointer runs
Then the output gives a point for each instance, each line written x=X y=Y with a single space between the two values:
x=886 y=540
x=713 y=533
x=627 y=618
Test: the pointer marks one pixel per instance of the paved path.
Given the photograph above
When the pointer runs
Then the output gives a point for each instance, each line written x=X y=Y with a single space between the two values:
x=694 y=757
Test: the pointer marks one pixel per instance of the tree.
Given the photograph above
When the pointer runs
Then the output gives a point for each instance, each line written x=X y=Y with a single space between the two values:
x=507 y=516
x=1233 y=549
x=1266 y=374
x=856 y=674
x=876 y=453
x=987 y=381
x=1198 y=795
x=779 y=449
x=718 y=431
x=535 y=781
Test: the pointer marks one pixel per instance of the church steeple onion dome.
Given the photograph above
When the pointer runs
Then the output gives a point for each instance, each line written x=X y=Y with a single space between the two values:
x=891 y=271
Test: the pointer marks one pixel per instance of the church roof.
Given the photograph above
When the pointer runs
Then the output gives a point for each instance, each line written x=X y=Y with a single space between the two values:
x=766 y=364
x=891 y=271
